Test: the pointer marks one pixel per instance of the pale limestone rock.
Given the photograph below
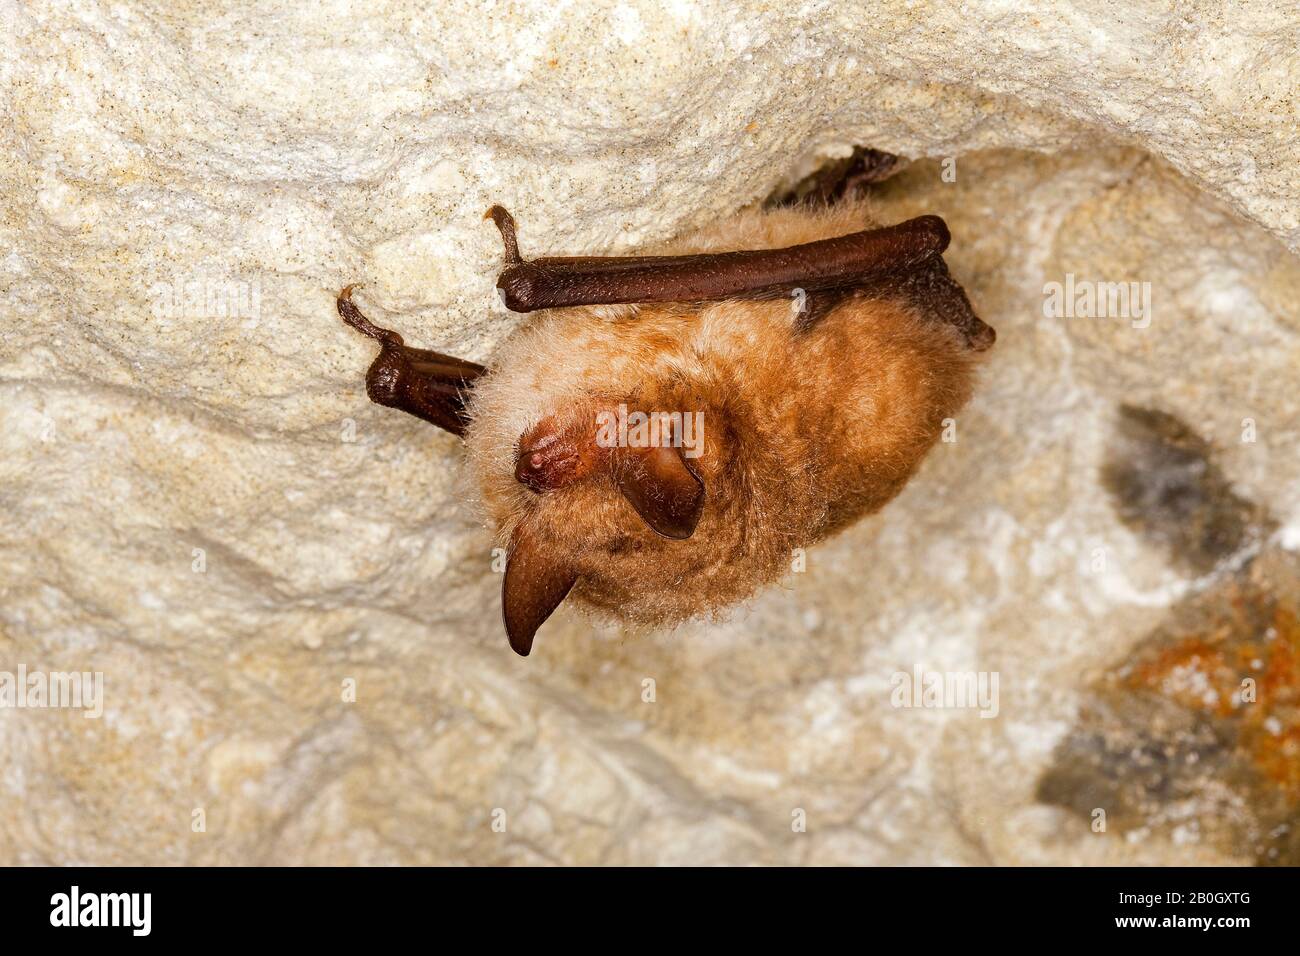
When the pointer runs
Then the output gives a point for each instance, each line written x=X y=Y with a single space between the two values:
x=267 y=155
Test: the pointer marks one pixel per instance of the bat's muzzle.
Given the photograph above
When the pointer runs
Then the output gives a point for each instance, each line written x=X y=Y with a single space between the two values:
x=549 y=459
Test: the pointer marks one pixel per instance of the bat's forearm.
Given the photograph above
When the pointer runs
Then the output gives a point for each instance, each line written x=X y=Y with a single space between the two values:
x=549 y=283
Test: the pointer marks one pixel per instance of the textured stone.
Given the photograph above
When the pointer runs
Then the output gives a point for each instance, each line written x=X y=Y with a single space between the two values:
x=262 y=157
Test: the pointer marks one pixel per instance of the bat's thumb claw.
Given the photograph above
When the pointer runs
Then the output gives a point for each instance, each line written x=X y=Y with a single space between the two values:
x=505 y=224
x=353 y=317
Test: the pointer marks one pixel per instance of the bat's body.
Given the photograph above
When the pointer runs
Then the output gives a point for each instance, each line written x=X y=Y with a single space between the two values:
x=782 y=424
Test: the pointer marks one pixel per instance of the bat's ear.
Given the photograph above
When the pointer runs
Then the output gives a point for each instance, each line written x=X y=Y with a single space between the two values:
x=661 y=486
x=657 y=481
x=535 y=584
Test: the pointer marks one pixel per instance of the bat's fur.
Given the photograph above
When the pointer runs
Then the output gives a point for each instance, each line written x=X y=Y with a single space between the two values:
x=804 y=431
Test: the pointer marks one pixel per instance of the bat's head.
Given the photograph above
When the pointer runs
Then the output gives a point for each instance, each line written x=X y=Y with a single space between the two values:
x=610 y=476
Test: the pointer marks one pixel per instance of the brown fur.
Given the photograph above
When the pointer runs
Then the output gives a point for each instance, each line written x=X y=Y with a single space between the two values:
x=804 y=432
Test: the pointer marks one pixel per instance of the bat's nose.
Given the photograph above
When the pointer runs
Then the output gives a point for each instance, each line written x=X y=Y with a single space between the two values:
x=533 y=470
x=556 y=452
x=548 y=464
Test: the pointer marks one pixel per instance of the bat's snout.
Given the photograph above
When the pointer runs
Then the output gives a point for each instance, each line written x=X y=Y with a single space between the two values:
x=549 y=458
x=540 y=469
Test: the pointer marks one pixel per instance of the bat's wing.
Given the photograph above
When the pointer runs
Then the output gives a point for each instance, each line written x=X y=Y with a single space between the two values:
x=426 y=384
x=933 y=292
x=824 y=270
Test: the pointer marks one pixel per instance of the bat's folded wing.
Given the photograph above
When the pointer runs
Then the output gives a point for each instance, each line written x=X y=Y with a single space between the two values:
x=903 y=259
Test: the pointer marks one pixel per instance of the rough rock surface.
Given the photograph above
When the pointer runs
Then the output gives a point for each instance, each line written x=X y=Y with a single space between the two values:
x=295 y=615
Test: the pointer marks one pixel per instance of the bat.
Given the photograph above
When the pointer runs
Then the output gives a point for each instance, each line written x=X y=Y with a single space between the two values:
x=659 y=440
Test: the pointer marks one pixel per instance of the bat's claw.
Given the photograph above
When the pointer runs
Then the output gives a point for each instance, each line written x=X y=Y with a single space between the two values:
x=353 y=317
x=505 y=223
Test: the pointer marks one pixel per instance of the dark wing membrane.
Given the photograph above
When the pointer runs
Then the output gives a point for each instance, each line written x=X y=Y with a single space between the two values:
x=935 y=294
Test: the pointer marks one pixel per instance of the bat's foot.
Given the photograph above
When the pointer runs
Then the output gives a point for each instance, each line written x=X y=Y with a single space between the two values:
x=846 y=178
x=866 y=166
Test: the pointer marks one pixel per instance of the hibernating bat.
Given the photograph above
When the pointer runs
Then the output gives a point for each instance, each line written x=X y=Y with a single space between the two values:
x=665 y=434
